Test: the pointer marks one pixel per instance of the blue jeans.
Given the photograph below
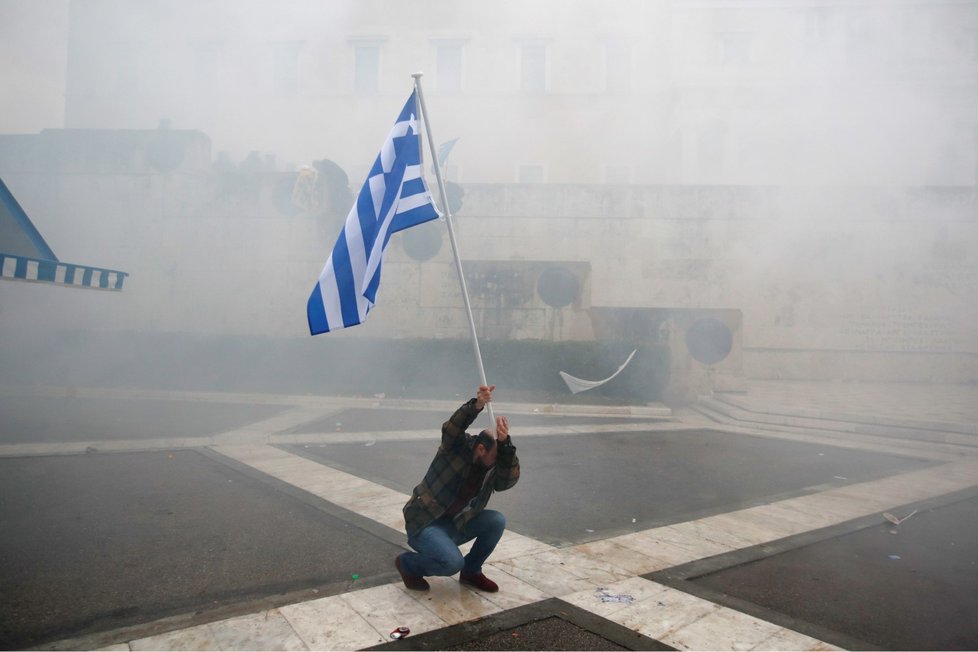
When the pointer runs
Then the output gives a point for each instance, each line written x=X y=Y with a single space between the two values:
x=437 y=545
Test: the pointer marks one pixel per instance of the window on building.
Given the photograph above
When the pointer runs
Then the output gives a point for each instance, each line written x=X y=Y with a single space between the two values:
x=533 y=68
x=617 y=67
x=918 y=35
x=285 y=68
x=818 y=22
x=448 y=67
x=530 y=174
x=366 y=70
x=818 y=30
x=734 y=48
x=863 y=38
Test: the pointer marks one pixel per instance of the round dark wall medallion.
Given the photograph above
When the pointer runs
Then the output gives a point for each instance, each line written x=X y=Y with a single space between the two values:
x=558 y=287
x=423 y=241
x=709 y=340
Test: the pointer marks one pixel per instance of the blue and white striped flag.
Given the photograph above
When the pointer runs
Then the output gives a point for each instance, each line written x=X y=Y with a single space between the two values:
x=394 y=197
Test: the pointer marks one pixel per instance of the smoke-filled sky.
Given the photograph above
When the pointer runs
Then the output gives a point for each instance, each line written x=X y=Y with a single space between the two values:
x=33 y=57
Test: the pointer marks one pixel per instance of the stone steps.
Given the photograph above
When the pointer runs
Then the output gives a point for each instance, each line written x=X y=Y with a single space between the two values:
x=890 y=422
x=723 y=412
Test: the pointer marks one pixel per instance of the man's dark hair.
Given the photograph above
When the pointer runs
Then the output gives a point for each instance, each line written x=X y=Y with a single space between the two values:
x=486 y=439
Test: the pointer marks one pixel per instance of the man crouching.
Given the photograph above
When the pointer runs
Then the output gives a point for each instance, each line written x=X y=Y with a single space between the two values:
x=447 y=508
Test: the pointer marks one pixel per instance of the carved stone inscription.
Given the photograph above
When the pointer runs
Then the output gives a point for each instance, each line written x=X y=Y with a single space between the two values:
x=900 y=330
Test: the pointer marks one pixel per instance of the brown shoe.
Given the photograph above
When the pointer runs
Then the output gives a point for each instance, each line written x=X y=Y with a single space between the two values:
x=413 y=582
x=479 y=581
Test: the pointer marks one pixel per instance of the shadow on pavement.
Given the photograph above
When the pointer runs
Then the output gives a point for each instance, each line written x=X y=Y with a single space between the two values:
x=547 y=625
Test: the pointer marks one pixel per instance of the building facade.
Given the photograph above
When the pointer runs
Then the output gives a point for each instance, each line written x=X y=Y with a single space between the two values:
x=755 y=92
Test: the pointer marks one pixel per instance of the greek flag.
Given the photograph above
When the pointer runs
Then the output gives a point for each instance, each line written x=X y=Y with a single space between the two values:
x=394 y=197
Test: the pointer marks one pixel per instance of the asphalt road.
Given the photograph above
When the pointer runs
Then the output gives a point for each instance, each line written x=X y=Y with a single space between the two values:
x=26 y=419
x=908 y=587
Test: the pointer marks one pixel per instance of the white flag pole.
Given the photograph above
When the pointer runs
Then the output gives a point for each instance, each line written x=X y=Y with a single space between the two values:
x=451 y=237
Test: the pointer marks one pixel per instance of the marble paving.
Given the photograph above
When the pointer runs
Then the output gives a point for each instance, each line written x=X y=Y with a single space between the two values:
x=528 y=570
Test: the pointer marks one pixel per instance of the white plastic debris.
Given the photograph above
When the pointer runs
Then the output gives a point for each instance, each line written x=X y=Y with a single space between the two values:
x=576 y=385
x=896 y=521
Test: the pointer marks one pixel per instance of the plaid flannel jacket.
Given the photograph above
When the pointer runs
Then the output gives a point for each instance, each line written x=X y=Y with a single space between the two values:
x=448 y=471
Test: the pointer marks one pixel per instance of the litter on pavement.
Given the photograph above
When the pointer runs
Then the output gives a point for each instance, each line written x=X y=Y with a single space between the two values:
x=896 y=521
x=603 y=595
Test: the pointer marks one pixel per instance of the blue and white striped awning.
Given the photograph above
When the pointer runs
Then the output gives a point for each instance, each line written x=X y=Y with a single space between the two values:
x=24 y=268
x=25 y=256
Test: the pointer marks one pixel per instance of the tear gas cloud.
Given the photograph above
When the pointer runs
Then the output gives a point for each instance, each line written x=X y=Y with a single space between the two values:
x=829 y=111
